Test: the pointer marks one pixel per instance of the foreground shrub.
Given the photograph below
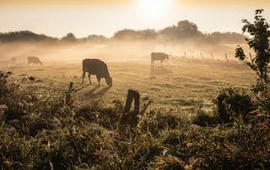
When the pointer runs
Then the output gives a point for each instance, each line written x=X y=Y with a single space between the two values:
x=155 y=122
x=167 y=163
x=233 y=103
x=204 y=119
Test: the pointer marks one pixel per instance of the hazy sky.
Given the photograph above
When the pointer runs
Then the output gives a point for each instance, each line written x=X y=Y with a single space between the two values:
x=84 y=17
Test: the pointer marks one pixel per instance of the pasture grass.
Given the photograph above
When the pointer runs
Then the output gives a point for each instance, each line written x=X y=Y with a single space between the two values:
x=44 y=126
x=176 y=87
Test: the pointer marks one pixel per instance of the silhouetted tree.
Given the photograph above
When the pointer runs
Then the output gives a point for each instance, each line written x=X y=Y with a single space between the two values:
x=24 y=36
x=70 y=37
x=183 y=30
x=258 y=40
x=95 y=38
x=227 y=37
x=126 y=34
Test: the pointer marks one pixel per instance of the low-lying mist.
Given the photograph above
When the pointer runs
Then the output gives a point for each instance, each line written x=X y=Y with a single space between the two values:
x=110 y=51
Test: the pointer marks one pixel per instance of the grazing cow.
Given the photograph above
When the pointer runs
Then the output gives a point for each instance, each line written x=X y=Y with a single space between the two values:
x=98 y=68
x=159 y=57
x=34 y=60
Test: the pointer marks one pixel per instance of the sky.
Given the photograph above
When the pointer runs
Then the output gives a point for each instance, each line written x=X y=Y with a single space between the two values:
x=105 y=17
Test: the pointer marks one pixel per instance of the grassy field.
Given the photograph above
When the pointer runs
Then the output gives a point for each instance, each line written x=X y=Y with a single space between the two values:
x=177 y=87
x=44 y=128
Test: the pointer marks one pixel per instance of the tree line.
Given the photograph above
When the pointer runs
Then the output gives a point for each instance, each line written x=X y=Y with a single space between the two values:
x=183 y=31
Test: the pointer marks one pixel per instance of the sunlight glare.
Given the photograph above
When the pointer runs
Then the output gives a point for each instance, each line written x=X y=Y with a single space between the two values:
x=154 y=8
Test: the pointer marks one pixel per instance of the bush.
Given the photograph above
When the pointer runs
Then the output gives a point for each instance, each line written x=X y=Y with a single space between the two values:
x=233 y=103
x=167 y=163
x=205 y=120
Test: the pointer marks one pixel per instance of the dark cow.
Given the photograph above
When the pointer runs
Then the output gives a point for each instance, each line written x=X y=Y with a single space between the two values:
x=34 y=60
x=98 y=68
x=159 y=57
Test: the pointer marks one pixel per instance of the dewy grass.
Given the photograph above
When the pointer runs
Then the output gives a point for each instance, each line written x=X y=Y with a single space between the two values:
x=47 y=132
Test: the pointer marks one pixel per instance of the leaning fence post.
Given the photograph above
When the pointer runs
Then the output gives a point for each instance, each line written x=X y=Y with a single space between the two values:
x=212 y=56
x=132 y=95
x=128 y=116
x=128 y=102
x=202 y=58
x=136 y=102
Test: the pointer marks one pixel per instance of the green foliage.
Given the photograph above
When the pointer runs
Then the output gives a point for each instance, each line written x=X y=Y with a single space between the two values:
x=203 y=119
x=258 y=40
x=232 y=104
x=54 y=133
x=25 y=36
x=167 y=163
x=70 y=37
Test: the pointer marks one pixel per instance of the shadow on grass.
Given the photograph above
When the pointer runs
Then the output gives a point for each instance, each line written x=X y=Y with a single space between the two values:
x=93 y=93
x=160 y=71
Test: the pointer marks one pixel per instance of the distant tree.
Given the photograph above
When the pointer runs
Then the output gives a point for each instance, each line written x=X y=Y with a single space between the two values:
x=126 y=34
x=258 y=40
x=132 y=34
x=183 y=30
x=227 y=37
x=70 y=37
x=24 y=36
x=148 y=34
x=95 y=38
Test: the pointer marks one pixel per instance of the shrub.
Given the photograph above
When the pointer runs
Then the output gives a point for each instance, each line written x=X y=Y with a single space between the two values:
x=204 y=119
x=233 y=103
x=167 y=163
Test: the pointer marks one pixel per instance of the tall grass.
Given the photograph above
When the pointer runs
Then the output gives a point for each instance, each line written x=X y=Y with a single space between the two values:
x=45 y=132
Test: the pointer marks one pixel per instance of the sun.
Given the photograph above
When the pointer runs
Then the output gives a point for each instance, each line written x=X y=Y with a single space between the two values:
x=154 y=8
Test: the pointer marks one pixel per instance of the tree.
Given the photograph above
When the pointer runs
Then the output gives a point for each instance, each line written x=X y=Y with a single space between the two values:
x=183 y=30
x=258 y=40
x=70 y=37
x=126 y=34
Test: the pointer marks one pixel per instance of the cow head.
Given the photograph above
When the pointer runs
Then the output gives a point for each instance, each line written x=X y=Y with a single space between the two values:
x=109 y=81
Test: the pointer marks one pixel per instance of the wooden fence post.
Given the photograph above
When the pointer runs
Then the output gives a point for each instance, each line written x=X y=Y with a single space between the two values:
x=130 y=117
x=132 y=95
x=212 y=56
x=202 y=58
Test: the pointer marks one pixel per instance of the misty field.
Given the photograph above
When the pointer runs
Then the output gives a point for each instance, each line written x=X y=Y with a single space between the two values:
x=47 y=126
x=176 y=87
x=207 y=107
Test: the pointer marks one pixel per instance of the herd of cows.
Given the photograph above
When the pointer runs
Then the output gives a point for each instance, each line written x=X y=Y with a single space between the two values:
x=99 y=68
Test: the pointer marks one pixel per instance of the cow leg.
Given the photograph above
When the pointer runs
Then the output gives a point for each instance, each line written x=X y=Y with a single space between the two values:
x=161 y=61
x=98 y=79
x=89 y=77
x=83 y=75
